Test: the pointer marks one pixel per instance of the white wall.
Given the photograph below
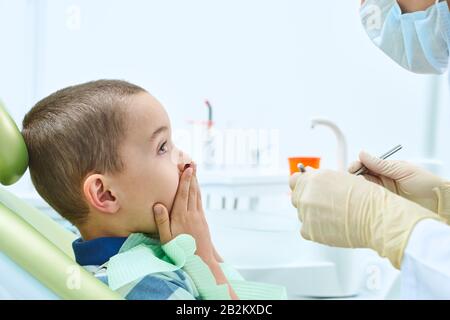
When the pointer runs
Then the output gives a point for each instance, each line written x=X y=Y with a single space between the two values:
x=262 y=63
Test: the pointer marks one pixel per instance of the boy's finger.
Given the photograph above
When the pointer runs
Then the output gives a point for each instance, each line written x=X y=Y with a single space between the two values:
x=193 y=191
x=199 y=200
x=199 y=193
x=181 y=198
x=162 y=223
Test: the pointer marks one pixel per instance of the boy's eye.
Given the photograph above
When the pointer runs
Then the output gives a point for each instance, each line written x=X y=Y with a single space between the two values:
x=163 y=149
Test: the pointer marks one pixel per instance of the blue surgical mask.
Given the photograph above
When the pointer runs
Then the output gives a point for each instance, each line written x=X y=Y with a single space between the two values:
x=418 y=41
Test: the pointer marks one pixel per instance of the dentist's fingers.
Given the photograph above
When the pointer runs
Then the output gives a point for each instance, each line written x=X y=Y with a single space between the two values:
x=181 y=198
x=301 y=183
x=355 y=166
x=388 y=168
x=369 y=175
x=305 y=233
x=382 y=172
x=293 y=180
x=162 y=223
x=374 y=177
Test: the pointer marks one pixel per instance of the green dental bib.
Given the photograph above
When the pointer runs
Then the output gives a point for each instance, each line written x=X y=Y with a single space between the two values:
x=140 y=256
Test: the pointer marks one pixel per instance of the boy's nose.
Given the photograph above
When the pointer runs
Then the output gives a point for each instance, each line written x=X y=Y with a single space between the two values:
x=181 y=159
x=184 y=166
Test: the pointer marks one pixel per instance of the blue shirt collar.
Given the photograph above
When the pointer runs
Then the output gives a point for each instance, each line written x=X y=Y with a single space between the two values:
x=96 y=251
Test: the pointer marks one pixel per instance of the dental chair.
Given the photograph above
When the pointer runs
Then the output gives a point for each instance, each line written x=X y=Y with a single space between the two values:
x=36 y=257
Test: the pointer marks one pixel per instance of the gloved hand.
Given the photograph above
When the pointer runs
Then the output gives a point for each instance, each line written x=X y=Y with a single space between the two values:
x=344 y=210
x=408 y=181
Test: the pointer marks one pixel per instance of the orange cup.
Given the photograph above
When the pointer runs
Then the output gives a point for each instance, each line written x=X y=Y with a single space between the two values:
x=313 y=162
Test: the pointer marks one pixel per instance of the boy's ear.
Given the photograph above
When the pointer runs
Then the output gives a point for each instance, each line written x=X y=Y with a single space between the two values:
x=98 y=195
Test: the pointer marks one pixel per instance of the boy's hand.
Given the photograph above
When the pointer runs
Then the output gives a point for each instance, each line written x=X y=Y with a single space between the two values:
x=186 y=217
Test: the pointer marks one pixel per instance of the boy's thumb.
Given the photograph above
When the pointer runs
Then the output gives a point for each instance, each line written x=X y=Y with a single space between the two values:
x=162 y=222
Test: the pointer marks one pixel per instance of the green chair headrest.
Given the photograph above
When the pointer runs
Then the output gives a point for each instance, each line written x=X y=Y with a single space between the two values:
x=13 y=151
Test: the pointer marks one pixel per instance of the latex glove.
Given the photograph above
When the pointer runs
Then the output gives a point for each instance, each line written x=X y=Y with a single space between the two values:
x=344 y=210
x=408 y=181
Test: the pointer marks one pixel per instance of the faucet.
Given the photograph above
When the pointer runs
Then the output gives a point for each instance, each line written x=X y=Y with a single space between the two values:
x=341 y=140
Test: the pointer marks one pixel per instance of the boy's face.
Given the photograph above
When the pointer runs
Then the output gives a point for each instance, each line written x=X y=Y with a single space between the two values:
x=152 y=164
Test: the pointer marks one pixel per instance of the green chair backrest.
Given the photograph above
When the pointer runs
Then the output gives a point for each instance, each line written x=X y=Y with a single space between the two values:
x=13 y=151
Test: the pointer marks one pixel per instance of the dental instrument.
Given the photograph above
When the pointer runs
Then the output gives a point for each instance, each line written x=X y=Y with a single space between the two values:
x=301 y=167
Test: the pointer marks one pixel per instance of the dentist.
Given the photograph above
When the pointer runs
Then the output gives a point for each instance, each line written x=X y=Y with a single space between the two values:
x=399 y=210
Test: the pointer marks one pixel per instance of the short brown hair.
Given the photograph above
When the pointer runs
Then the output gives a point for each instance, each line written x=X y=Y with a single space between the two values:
x=71 y=133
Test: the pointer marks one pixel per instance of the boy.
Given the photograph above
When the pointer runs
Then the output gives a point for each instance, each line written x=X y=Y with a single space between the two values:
x=101 y=155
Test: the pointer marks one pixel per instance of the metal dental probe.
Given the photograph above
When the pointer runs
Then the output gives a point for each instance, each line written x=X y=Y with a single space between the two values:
x=363 y=169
